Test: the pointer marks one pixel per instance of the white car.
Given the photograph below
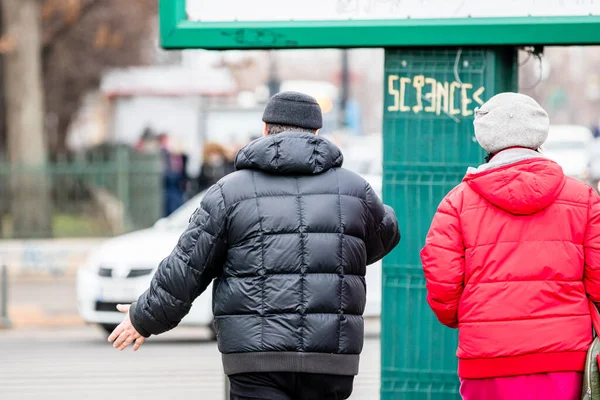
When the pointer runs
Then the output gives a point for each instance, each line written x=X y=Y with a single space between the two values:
x=122 y=268
x=570 y=146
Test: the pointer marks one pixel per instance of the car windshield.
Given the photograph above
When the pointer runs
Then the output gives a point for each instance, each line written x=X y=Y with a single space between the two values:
x=181 y=217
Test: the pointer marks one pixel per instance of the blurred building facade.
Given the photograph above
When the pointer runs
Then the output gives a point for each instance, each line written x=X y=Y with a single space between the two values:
x=567 y=84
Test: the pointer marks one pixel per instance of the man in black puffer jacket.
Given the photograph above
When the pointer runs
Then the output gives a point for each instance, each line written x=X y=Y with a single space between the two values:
x=286 y=239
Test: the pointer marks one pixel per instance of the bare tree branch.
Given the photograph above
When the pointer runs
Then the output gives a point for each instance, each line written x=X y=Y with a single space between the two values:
x=106 y=34
x=67 y=23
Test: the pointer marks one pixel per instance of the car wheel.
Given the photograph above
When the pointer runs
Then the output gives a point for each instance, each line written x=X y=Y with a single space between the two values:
x=108 y=328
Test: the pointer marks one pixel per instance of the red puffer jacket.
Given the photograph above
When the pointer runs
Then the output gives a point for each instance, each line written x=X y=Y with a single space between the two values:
x=510 y=256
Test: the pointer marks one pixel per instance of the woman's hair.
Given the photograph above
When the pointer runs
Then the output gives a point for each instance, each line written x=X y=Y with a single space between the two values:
x=214 y=148
x=489 y=156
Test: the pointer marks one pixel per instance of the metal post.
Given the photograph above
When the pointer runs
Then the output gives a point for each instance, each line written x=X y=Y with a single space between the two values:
x=4 y=321
x=274 y=81
x=122 y=177
x=2 y=100
x=227 y=394
x=345 y=86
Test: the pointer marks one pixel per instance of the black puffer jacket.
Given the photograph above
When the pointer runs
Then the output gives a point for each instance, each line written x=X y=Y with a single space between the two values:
x=287 y=239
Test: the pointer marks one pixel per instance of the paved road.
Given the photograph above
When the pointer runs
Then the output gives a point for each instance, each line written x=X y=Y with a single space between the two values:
x=52 y=296
x=76 y=363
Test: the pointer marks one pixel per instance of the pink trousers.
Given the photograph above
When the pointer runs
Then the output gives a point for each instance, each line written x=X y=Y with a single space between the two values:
x=550 y=386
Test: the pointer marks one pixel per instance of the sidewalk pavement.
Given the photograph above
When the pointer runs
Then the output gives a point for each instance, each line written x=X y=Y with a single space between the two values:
x=43 y=303
x=78 y=363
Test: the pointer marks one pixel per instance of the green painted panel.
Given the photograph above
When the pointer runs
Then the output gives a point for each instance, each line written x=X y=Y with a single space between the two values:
x=179 y=33
x=430 y=96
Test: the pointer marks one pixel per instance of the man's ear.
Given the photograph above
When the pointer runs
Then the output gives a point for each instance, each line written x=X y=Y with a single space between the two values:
x=265 y=131
x=317 y=132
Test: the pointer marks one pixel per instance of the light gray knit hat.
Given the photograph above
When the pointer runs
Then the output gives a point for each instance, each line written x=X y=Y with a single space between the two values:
x=511 y=120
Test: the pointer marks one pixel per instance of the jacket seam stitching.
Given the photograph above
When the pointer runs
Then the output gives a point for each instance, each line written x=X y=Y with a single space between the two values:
x=171 y=295
x=570 y=203
x=525 y=281
x=509 y=190
x=587 y=225
x=195 y=272
x=225 y=222
x=366 y=200
x=146 y=309
x=559 y=202
x=515 y=319
x=220 y=186
x=211 y=251
x=522 y=241
x=341 y=268
x=446 y=213
x=262 y=264
x=303 y=194
x=452 y=207
x=517 y=356
x=180 y=254
x=303 y=265
x=241 y=242
x=243 y=152
x=318 y=165
x=293 y=273
x=277 y=143
x=433 y=244
x=445 y=282
x=286 y=313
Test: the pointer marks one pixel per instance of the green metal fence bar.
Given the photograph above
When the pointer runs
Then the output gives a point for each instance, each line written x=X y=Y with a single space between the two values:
x=91 y=195
x=4 y=319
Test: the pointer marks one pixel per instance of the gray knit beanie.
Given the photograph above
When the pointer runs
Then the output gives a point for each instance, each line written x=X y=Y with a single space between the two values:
x=294 y=109
x=511 y=120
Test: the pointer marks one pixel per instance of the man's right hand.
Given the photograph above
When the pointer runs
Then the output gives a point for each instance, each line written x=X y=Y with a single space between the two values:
x=125 y=334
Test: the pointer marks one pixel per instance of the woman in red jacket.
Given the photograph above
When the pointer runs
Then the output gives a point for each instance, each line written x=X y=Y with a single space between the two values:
x=512 y=256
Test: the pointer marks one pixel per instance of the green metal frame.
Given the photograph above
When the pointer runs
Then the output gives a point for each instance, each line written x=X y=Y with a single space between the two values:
x=177 y=32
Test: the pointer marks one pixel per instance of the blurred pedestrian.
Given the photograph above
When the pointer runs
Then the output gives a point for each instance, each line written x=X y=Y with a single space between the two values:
x=174 y=166
x=216 y=163
x=148 y=142
x=287 y=239
x=512 y=256
x=174 y=173
x=596 y=130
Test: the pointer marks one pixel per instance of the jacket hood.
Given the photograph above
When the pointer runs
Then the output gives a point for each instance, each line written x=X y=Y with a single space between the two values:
x=290 y=153
x=522 y=188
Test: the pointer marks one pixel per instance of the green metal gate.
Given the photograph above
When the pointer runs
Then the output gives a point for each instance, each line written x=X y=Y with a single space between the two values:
x=430 y=97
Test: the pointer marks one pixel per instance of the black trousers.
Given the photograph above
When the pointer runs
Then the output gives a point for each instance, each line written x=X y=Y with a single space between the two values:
x=290 y=386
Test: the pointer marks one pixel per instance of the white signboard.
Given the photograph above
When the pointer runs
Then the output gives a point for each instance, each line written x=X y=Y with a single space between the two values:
x=324 y=10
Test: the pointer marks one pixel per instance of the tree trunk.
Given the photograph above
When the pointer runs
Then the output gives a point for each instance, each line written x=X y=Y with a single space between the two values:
x=30 y=200
x=3 y=194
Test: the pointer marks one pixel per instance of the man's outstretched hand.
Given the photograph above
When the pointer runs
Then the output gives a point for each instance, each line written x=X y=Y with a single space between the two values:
x=125 y=334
